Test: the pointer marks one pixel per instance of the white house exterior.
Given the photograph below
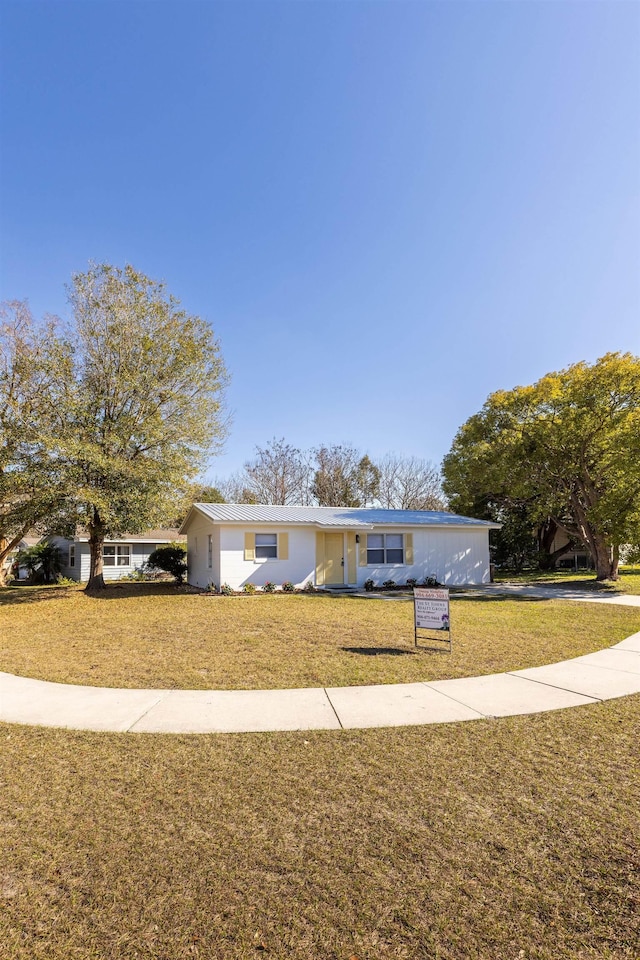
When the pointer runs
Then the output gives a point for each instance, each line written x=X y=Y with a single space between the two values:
x=120 y=557
x=332 y=546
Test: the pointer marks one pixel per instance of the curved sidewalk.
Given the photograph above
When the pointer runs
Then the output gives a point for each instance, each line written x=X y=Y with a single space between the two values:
x=606 y=674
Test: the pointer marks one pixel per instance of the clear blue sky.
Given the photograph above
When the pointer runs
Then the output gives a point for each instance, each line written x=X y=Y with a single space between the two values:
x=386 y=210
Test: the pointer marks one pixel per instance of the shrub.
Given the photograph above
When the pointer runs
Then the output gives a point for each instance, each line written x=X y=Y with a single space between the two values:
x=66 y=582
x=171 y=559
x=211 y=587
x=309 y=587
x=226 y=590
x=431 y=582
x=42 y=561
x=249 y=588
x=288 y=587
x=411 y=582
x=136 y=576
x=389 y=583
x=269 y=587
x=369 y=585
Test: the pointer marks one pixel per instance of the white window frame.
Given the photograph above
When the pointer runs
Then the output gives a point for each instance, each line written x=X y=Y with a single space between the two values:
x=118 y=556
x=72 y=555
x=385 y=562
x=271 y=545
x=209 y=551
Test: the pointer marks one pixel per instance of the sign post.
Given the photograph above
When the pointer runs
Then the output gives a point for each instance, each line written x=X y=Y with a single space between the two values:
x=431 y=612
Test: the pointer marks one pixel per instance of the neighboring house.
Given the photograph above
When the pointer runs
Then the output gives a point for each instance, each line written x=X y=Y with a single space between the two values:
x=332 y=546
x=120 y=557
x=29 y=540
x=574 y=556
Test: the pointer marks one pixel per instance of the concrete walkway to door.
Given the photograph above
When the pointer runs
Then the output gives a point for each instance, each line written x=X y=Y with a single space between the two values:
x=608 y=673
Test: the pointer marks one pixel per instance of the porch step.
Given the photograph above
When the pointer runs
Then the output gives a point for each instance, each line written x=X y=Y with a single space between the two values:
x=340 y=588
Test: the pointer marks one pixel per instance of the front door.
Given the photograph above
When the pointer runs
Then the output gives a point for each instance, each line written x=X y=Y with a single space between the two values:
x=333 y=558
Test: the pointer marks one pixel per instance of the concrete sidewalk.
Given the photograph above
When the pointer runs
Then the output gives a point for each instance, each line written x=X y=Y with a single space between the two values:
x=614 y=672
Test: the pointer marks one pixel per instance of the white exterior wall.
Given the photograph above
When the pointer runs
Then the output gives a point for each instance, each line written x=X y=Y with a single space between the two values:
x=454 y=556
x=236 y=571
x=200 y=574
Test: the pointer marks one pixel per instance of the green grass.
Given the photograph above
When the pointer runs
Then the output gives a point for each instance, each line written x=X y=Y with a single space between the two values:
x=628 y=582
x=496 y=840
x=161 y=636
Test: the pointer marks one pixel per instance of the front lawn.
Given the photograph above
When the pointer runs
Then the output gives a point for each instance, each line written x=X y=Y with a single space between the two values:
x=158 y=635
x=513 y=839
x=629 y=581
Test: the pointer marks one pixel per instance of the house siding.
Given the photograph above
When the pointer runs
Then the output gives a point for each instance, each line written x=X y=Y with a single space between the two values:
x=199 y=573
x=453 y=556
x=139 y=553
x=236 y=571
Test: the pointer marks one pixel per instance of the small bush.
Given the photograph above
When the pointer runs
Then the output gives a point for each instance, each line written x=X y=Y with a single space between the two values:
x=309 y=587
x=389 y=583
x=369 y=585
x=226 y=590
x=431 y=582
x=136 y=576
x=411 y=582
x=211 y=587
x=288 y=587
x=269 y=587
x=171 y=559
x=65 y=581
x=249 y=588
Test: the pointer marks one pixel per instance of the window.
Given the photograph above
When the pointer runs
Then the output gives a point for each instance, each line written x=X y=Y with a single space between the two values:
x=210 y=551
x=116 y=555
x=72 y=556
x=266 y=546
x=385 y=548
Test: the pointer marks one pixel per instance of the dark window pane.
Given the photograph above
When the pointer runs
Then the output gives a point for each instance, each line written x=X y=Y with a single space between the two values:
x=375 y=556
x=266 y=553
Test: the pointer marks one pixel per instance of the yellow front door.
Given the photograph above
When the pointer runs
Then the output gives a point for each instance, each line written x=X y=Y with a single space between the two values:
x=333 y=558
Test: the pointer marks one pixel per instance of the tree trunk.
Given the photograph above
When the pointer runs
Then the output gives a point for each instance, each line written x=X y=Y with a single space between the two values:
x=605 y=559
x=6 y=546
x=96 y=544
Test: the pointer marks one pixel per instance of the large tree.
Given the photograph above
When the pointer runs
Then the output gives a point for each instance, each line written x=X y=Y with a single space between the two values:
x=34 y=362
x=568 y=447
x=144 y=404
x=344 y=478
x=278 y=474
x=409 y=483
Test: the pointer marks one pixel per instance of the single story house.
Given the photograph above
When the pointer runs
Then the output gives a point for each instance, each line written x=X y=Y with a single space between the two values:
x=30 y=539
x=120 y=556
x=332 y=546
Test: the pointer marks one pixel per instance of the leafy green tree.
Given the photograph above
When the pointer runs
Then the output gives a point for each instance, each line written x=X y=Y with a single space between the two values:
x=34 y=361
x=172 y=559
x=568 y=447
x=208 y=495
x=144 y=404
x=344 y=478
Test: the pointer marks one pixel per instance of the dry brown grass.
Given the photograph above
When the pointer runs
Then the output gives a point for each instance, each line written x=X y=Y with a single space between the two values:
x=498 y=840
x=161 y=636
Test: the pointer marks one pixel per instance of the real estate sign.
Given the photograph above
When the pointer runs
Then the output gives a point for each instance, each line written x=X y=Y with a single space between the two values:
x=431 y=611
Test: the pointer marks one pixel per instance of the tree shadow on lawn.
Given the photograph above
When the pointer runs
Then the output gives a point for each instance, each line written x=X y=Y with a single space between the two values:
x=27 y=593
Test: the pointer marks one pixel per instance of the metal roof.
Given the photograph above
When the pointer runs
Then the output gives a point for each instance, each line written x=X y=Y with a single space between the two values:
x=361 y=517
